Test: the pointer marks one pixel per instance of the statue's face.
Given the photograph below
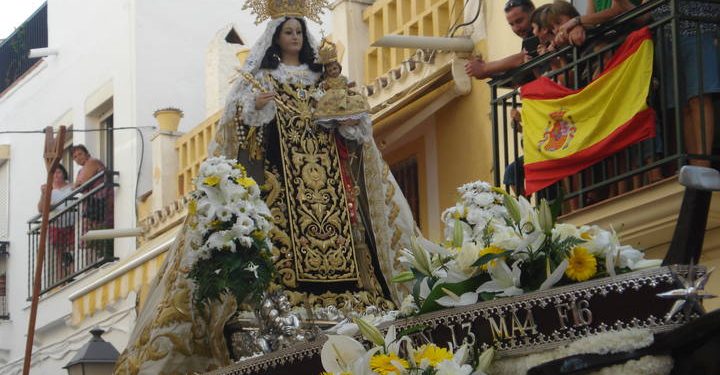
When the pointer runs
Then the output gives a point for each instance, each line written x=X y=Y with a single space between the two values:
x=333 y=69
x=290 y=39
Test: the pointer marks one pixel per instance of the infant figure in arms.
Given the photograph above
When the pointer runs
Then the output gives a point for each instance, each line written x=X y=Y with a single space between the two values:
x=338 y=106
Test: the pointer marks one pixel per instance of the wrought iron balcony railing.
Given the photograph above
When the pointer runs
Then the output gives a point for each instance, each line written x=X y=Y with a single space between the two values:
x=635 y=166
x=88 y=207
x=14 y=60
x=4 y=313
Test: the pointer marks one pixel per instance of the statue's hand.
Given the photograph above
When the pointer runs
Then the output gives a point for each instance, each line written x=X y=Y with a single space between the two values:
x=263 y=99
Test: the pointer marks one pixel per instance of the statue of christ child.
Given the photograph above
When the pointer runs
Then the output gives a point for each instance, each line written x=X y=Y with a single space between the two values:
x=339 y=106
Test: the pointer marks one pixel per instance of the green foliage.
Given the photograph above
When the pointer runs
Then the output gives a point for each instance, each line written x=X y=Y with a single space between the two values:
x=231 y=272
x=483 y=260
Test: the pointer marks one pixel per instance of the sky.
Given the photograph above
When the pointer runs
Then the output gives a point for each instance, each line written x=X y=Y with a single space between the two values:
x=14 y=12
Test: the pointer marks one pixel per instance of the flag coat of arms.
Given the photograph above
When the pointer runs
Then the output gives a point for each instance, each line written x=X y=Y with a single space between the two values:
x=566 y=131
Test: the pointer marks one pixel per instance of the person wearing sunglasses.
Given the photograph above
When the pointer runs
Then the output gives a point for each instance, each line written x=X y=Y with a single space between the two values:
x=517 y=14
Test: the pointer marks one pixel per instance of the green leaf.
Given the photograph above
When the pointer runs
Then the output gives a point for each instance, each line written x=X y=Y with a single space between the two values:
x=411 y=330
x=403 y=277
x=488 y=257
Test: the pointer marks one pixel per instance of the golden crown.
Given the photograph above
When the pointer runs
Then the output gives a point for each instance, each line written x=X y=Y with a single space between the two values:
x=327 y=52
x=264 y=9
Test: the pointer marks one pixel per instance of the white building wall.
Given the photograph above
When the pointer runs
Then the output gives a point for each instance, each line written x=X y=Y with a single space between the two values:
x=142 y=54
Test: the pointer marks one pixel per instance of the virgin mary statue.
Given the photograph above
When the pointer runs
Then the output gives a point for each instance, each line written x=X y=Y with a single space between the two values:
x=339 y=218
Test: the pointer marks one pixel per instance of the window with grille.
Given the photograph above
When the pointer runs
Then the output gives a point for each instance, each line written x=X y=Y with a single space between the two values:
x=406 y=174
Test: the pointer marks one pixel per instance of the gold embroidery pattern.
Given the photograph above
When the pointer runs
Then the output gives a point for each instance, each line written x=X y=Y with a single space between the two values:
x=178 y=335
x=320 y=228
x=281 y=249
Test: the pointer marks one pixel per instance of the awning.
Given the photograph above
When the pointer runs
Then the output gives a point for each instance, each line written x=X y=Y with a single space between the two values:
x=131 y=274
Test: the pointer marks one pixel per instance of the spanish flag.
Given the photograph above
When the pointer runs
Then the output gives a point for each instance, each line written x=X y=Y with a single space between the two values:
x=566 y=131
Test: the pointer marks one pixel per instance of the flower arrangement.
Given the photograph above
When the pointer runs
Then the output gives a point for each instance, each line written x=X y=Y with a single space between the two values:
x=499 y=246
x=229 y=224
x=396 y=354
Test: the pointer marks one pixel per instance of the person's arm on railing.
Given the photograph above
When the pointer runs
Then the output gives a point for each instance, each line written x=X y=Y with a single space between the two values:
x=480 y=69
x=43 y=191
x=575 y=28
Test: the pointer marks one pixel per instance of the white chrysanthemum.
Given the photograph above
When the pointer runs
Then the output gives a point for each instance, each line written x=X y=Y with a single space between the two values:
x=563 y=231
x=223 y=214
x=408 y=306
x=483 y=199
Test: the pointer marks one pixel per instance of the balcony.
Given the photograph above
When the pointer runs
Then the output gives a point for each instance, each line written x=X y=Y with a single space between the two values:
x=4 y=312
x=637 y=166
x=88 y=207
x=4 y=249
x=14 y=60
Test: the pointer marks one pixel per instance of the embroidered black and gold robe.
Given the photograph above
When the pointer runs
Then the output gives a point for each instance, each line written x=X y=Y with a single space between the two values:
x=314 y=184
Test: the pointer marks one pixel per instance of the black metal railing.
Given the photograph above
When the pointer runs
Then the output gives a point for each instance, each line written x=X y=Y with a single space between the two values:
x=88 y=207
x=635 y=166
x=14 y=60
x=4 y=248
x=4 y=313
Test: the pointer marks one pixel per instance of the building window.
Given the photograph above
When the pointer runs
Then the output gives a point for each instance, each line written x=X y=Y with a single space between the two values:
x=406 y=175
x=106 y=141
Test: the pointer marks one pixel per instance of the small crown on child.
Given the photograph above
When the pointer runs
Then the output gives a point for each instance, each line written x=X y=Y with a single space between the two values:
x=286 y=8
x=327 y=52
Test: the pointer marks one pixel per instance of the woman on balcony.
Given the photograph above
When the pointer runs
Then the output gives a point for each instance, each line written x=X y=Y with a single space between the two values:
x=61 y=229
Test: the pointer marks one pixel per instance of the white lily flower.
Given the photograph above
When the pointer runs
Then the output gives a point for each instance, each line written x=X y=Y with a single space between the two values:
x=635 y=259
x=465 y=257
x=555 y=276
x=484 y=361
x=503 y=279
x=340 y=352
x=449 y=367
x=452 y=300
x=424 y=288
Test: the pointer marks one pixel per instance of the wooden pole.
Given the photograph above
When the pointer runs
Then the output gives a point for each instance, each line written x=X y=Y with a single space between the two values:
x=52 y=155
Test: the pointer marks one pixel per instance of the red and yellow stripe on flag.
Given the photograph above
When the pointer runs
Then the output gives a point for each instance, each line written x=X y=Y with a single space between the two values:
x=566 y=131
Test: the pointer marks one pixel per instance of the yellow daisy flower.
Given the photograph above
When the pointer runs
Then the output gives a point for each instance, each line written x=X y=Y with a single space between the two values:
x=241 y=168
x=211 y=180
x=582 y=265
x=192 y=207
x=433 y=353
x=489 y=250
x=258 y=235
x=245 y=182
x=215 y=224
x=382 y=363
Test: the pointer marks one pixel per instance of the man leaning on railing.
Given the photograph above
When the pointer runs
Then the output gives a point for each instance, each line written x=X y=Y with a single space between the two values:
x=97 y=210
x=517 y=13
